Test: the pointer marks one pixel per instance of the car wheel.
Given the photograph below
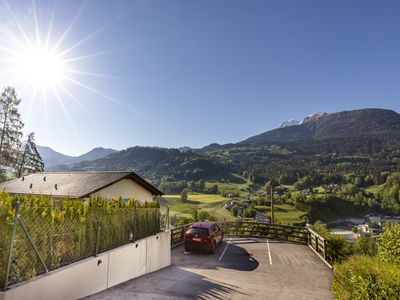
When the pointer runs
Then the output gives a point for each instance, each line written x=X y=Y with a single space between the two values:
x=213 y=248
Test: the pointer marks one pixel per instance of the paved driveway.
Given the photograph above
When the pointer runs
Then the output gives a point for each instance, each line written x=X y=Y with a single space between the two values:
x=240 y=269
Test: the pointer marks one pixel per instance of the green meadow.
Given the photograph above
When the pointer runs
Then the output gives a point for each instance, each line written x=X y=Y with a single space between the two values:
x=212 y=203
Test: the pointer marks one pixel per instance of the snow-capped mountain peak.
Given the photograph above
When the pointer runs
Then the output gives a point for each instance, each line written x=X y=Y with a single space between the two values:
x=288 y=123
x=313 y=117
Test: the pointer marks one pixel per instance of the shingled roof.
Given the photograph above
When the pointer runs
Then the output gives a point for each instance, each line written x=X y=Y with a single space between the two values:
x=73 y=185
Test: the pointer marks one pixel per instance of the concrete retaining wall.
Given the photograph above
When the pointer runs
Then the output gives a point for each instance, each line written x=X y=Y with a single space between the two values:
x=95 y=274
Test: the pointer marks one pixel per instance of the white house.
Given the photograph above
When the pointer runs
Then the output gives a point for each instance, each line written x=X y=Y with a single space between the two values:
x=83 y=185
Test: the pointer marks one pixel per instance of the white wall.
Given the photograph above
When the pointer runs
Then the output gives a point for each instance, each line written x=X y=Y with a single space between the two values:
x=126 y=263
x=125 y=188
x=72 y=282
x=87 y=277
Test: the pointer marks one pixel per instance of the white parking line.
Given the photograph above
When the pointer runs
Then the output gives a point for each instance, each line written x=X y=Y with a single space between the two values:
x=269 y=253
x=226 y=247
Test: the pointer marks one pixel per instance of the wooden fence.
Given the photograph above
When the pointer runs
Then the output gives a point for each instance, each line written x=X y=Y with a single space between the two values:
x=303 y=235
x=317 y=243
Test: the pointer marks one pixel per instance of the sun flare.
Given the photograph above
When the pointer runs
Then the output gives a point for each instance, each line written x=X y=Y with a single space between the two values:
x=44 y=62
x=40 y=66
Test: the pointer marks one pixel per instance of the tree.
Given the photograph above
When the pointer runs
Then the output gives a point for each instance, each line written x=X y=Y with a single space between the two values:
x=184 y=195
x=30 y=160
x=10 y=128
x=389 y=246
x=202 y=185
x=365 y=245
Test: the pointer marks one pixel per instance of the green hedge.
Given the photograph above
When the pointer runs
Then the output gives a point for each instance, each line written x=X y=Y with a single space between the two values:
x=338 y=248
x=364 y=277
x=65 y=231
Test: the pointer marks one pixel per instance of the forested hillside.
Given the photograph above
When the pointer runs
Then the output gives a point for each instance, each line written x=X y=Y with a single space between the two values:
x=363 y=141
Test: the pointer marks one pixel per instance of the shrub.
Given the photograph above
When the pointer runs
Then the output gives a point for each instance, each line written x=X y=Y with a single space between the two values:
x=337 y=247
x=389 y=247
x=363 y=277
x=65 y=231
x=365 y=245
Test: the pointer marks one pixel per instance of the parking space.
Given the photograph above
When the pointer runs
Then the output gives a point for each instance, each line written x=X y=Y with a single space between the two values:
x=239 y=269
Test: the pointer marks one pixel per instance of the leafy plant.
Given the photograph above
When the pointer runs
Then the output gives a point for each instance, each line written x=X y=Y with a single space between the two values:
x=389 y=247
x=362 y=277
x=65 y=230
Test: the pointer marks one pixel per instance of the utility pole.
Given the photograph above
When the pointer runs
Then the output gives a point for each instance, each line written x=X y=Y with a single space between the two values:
x=272 y=205
x=270 y=186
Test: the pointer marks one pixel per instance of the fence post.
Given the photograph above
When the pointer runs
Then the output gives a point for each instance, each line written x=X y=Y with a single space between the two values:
x=324 y=249
x=316 y=243
x=97 y=238
x=167 y=225
x=134 y=225
x=33 y=244
x=10 y=248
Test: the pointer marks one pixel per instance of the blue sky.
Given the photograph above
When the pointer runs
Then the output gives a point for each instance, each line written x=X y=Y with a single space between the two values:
x=177 y=73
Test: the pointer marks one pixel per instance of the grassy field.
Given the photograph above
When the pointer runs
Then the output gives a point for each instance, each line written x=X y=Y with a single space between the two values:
x=210 y=203
x=289 y=187
x=241 y=189
x=375 y=189
x=284 y=213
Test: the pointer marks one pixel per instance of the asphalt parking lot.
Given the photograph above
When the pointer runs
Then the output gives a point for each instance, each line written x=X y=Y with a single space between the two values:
x=240 y=268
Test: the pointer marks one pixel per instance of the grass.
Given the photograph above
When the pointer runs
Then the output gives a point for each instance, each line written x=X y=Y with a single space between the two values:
x=289 y=187
x=284 y=213
x=211 y=203
x=241 y=189
x=375 y=189
x=199 y=197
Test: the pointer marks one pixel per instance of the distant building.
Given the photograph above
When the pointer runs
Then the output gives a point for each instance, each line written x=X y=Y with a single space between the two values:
x=228 y=205
x=376 y=219
x=83 y=185
x=391 y=220
x=372 y=229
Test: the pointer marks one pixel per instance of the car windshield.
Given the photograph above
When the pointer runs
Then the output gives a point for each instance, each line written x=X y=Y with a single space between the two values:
x=198 y=230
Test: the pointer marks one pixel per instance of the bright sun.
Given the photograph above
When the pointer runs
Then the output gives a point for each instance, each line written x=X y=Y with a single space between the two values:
x=37 y=59
x=40 y=66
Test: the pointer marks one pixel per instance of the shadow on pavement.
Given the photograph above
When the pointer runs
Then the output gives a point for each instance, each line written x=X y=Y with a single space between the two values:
x=170 y=283
x=231 y=257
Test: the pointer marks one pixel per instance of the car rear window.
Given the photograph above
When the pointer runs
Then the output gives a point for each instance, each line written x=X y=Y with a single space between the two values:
x=198 y=230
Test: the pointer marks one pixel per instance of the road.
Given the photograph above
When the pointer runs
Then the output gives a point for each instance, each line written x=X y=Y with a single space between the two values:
x=240 y=269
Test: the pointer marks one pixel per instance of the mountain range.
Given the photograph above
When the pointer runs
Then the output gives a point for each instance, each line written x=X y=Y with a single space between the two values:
x=365 y=140
x=53 y=158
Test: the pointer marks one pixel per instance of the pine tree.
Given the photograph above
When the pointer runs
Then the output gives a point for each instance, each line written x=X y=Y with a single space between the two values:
x=10 y=129
x=30 y=160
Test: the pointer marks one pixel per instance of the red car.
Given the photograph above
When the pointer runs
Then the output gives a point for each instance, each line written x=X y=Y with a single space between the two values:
x=204 y=236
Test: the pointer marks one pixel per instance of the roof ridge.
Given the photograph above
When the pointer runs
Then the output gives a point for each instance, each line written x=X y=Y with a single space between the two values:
x=76 y=183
